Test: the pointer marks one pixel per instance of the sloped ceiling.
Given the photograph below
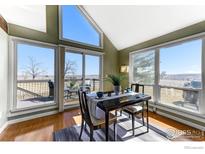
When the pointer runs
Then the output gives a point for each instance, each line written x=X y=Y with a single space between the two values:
x=33 y=16
x=129 y=25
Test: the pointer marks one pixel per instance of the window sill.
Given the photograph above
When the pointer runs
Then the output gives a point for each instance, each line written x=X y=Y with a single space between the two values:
x=183 y=112
x=67 y=106
x=16 y=112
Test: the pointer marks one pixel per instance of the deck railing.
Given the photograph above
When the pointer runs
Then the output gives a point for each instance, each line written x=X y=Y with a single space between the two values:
x=27 y=89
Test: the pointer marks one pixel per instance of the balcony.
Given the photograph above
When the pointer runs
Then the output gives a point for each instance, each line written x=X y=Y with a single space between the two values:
x=42 y=92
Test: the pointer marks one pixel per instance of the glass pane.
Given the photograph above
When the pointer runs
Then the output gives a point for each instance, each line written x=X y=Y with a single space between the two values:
x=149 y=91
x=180 y=65
x=73 y=77
x=187 y=99
x=76 y=27
x=92 y=70
x=35 y=75
x=143 y=67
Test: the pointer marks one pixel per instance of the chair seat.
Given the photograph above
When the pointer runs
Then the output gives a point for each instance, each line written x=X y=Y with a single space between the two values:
x=101 y=122
x=133 y=108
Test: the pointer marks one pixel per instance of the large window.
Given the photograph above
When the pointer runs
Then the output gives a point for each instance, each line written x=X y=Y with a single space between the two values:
x=175 y=73
x=35 y=85
x=73 y=76
x=81 y=70
x=77 y=27
x=142 y=70
x=92 y=72
x=143 y=67
x=180 y=74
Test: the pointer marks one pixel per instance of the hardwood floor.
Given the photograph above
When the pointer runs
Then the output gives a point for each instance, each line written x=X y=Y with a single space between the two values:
x=41 y=129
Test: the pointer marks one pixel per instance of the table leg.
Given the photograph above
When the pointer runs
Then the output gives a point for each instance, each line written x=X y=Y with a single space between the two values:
x=147 y=116
x=107 y=125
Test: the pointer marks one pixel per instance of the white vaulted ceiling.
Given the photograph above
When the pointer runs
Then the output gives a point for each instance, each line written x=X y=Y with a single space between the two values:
x=129 y=25
x=33 y=16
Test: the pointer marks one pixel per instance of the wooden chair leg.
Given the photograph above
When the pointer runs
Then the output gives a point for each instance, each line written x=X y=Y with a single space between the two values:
x=81 y=130
x=91 y=134
x=133 y=124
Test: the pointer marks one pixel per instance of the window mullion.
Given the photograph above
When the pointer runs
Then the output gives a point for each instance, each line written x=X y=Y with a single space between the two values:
x=156 y=79
x=83 y=68
x=202 y=98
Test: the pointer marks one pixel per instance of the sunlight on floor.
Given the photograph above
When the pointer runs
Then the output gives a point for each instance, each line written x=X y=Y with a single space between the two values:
x=38 y=134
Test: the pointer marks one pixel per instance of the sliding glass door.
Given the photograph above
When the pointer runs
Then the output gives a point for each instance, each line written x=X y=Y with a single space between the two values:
x=92 y=72
x=81 y=71
x=73 y=76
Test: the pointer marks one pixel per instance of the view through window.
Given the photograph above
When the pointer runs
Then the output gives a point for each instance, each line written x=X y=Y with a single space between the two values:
x=143 y=70
x=180 y=82
x=79 y=75
x=73 y=76
x=92 y=72
x=76 y=27
x=180 y=67
x=35 y=75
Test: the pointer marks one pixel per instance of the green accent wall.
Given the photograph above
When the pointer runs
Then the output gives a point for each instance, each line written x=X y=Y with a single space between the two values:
x=52 y=36
x=185 y=32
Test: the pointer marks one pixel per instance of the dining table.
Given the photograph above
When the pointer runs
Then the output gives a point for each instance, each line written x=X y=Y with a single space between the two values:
x=101 y=107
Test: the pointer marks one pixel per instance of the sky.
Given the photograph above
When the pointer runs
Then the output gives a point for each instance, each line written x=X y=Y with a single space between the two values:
x=183 y=58
x=92 y=63
x=76 y=27
x=43 y=56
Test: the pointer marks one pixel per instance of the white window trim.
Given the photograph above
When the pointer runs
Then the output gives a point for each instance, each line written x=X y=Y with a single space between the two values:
x=157 y=69
x=90 y=20
x=12 y=110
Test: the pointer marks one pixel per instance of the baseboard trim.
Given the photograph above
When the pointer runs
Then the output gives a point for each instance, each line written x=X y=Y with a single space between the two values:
x=5 y=125
x=188 y=114
x=181 y=120
x=26 y=118
x=32 y=117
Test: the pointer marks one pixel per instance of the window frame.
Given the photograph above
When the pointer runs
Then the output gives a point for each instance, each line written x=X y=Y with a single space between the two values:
x=157 y=86
x=85 y=52
x=131 y=66
x=89 y=19
x=13 y=42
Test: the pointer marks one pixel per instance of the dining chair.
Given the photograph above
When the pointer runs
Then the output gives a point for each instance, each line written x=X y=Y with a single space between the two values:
x=138 y=108
x=89 y=119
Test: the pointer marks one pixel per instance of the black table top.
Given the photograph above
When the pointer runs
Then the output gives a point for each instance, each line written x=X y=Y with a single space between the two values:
x=116 y=103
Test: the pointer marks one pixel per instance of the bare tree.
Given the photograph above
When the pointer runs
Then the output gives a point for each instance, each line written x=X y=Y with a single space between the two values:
x=70 y=68
x=163 y=74
x=33 y=68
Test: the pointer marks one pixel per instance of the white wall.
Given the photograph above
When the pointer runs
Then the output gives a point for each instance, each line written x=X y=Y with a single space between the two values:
x=3 y=77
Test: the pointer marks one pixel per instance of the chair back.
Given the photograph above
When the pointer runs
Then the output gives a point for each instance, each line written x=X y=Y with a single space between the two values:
x=84 y=106
x=136 y=87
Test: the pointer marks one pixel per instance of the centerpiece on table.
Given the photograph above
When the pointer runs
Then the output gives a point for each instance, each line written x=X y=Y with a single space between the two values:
x=116 y=81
